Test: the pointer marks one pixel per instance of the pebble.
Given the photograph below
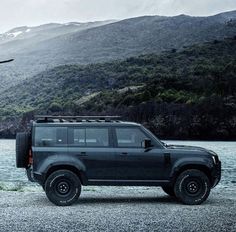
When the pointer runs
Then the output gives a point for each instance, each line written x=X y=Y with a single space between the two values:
x=117 y=209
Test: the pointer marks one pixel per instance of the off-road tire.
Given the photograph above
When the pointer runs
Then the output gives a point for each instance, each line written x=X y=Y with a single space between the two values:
x=63 y=187
x=192 y=187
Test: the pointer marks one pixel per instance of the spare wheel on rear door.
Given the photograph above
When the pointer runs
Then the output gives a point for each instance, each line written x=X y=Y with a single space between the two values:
x=22 y=149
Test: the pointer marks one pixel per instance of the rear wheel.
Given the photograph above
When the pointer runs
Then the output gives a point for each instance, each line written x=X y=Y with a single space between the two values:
x=63 y=187
x=169 y=190
x=192 y=187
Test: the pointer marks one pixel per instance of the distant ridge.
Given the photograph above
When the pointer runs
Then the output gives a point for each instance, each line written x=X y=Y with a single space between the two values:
x=37 y=49
x=186 y=94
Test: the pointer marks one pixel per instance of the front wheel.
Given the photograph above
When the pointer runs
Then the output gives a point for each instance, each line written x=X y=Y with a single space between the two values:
x=63 y=187
x=192 y=187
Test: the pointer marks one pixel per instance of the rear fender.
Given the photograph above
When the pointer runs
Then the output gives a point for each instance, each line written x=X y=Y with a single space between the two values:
x=59 y=160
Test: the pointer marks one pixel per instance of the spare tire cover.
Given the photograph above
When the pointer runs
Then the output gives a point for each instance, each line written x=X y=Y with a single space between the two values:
x=22 y=149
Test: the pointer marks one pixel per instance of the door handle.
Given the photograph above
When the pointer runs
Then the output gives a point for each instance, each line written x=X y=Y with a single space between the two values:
x=83 y=153
x=124 y=153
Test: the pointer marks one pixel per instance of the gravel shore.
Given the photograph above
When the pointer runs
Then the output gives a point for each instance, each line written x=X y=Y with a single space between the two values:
x=118 y=209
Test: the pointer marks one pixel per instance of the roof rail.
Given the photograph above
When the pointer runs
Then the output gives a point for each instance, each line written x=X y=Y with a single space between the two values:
x=76 y=118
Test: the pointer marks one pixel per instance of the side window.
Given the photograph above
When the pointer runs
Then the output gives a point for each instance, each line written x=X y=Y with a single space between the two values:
x=90 y=137
x=129 y=137
x=50 y=136
x=97 y=137
x=77 y=136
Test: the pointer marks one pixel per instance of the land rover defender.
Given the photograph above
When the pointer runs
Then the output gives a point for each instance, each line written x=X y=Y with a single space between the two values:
x=62 y=153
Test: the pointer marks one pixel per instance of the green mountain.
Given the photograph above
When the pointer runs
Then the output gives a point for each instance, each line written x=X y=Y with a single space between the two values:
x=189 y=93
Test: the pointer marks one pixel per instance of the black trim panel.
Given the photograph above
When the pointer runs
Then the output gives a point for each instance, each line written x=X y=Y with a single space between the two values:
x=127 y=182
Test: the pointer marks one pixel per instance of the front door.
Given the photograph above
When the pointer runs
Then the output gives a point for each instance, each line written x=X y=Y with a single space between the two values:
x=133 y=162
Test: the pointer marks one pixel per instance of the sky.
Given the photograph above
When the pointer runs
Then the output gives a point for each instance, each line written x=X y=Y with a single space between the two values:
x=15 y=13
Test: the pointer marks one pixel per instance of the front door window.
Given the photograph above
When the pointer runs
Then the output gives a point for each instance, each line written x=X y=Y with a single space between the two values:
x=130 y=137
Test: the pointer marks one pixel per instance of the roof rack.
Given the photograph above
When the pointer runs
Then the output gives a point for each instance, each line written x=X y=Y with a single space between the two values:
x=51 y=118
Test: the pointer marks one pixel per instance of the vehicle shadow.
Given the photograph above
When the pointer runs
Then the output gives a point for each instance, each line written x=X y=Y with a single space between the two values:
x=88 y=199
x=127 y=200
x=163 y=200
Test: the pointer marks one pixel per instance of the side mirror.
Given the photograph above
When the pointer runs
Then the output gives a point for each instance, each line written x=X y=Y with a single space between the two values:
x=146 y=143
x=164 y=144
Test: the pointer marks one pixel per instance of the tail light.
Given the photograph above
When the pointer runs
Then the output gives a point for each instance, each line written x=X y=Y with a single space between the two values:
x=30 y=157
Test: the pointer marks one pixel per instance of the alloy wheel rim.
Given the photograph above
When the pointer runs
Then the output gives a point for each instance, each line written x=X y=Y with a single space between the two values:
x=193 y=187
x=63 y=188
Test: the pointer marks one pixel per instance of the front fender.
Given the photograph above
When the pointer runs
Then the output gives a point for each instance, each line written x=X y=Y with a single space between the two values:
x=190 y=162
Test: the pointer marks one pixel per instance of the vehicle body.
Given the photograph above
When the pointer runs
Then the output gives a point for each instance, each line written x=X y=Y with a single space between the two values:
x=63 y=152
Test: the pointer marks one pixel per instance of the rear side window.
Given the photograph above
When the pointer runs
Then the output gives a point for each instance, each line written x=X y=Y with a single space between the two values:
x=50 y=136
x=90 y=137
x=129 y=137
x=77 y=136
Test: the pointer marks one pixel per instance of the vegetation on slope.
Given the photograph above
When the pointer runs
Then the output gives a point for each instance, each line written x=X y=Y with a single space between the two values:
x=181 y=94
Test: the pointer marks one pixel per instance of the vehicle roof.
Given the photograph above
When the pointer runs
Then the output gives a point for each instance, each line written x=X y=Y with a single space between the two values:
x=86 y=123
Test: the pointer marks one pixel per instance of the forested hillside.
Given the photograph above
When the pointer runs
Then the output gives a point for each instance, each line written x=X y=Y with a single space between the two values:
x=188 y=94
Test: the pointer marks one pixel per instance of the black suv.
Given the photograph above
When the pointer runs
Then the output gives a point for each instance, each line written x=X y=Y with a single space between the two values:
x=63 y=153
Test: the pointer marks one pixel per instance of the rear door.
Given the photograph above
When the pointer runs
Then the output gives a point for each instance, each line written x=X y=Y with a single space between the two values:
x=92 y=145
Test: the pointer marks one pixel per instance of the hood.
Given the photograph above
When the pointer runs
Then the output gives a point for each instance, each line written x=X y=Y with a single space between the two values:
x=192 y=149
x=189 y=148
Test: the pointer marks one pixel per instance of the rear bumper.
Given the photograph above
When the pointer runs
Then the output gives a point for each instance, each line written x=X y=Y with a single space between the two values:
x=29 y=173
x=216 y=174
x=39 y=178
x=34 y=177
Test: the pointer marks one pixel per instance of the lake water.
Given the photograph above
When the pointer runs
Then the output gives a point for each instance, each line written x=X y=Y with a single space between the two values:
x=10 y=175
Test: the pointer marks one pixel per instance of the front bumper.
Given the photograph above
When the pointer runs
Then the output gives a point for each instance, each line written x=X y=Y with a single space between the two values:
x=216 y=174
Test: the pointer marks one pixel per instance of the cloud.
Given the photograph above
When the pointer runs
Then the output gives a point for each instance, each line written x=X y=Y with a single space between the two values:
x=33 y=12
x=200 y=7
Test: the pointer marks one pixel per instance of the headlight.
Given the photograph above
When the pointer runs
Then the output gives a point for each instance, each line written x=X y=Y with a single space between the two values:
x=214 y=156
x=214 y=159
